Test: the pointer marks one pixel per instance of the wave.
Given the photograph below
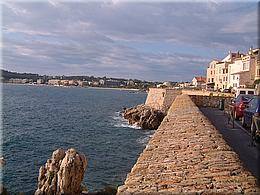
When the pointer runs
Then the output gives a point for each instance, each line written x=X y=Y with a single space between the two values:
x=120 y=121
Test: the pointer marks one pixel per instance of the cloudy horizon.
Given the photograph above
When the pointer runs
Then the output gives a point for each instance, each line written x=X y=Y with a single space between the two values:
x=159 y=41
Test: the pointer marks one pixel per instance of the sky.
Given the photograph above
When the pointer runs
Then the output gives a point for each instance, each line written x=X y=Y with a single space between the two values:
x=154 y=41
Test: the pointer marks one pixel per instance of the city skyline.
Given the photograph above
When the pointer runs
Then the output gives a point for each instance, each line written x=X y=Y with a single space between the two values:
x=149 y=41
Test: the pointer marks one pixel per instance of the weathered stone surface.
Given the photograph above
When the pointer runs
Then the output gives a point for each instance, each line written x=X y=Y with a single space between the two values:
x=161 y=99
x=210 y=101
x=144 y=116
x=62 y=174
x=187 y=154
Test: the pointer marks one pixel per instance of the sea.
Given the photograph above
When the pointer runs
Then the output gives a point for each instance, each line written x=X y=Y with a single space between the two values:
x=40 y=119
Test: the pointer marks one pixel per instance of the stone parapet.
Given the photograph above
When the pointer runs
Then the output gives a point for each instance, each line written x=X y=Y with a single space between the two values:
x=187 y=154
x=206 y=93
x=161 y=99
x=210 y=101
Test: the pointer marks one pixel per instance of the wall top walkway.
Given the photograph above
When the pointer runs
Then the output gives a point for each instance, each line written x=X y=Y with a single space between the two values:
x=206 y=93
x=188 y=155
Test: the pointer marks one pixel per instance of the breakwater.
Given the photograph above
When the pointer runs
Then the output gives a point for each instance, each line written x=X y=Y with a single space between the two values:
x=187 y=154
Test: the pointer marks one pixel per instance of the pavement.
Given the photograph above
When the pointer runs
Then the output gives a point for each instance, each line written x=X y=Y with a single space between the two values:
x=238 y=138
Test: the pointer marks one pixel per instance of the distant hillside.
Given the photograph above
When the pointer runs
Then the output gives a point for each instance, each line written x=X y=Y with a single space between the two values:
x=6 y=75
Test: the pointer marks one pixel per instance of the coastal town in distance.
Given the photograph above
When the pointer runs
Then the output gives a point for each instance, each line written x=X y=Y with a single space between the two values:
x=236 y=70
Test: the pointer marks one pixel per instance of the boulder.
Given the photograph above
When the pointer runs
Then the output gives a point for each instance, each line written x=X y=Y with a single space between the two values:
x=144 y=116
x=62 y=174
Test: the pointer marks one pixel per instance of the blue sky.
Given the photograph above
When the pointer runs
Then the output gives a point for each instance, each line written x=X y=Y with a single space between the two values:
x=159 y=41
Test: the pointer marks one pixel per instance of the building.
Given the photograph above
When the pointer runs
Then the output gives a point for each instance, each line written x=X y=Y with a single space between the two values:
x=64 y=82
x=211 y=75
x=73 y=82
x=243 y=72
x=20 y=81
x=54 y=82
x=184 y=85
x=130 y=83
x=199 y=82
x=40 y=81
x=112 y=83
x=82 y=83
x=235 y=70
x=167 y=84
x=102 y=82
x=256 y=54
x=222 y=71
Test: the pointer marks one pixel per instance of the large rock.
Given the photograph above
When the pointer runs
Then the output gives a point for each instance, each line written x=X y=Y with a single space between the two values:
x=144 y=116
x=62 y=174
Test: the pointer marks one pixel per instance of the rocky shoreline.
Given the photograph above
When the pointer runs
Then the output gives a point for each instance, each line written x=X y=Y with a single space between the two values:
x=144 y=116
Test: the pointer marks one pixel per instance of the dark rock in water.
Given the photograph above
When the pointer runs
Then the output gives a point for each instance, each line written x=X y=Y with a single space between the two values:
x=144 y=116
x=108 y=190
x=62 y=174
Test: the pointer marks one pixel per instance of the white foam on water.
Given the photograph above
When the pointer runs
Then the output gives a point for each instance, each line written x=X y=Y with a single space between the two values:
x=119 y=121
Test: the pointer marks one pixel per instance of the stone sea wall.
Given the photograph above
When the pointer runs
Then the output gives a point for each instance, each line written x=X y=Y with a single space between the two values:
x=161 y=99
x=188 y=155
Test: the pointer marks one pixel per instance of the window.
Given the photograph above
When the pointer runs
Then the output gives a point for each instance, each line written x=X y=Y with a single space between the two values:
x=258 y=72
x=242 y=92
x=250 y=92
x=246 y=65
x=212 y=80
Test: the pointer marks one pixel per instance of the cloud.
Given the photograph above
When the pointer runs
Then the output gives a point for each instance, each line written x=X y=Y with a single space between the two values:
x=153 y=41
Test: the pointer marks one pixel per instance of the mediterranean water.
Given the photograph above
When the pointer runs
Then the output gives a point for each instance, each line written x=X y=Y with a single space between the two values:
x=39 y=119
